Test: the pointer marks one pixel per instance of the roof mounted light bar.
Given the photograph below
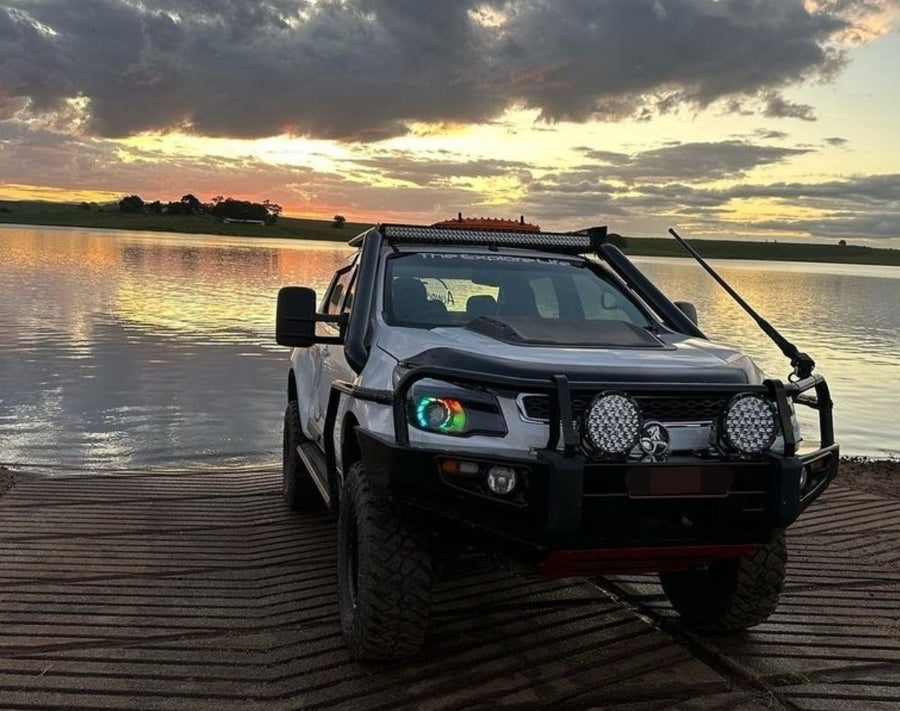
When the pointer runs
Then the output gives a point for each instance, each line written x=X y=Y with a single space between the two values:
x=580 y=242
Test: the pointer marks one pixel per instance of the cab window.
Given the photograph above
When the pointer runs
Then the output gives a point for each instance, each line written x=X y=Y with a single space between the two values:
x=429 y=289
x=341 y=286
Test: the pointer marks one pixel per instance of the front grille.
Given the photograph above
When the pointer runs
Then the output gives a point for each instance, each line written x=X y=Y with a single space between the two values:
x=665 y=408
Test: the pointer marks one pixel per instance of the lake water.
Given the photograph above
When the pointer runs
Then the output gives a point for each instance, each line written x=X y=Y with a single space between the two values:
x=135 y=350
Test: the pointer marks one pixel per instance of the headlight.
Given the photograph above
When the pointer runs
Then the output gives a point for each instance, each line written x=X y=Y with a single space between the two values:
x=613 y=423
x=749 y=423
x=437 y=406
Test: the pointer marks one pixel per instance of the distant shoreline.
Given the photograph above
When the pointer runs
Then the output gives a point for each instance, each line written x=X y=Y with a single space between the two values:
x=44 y=214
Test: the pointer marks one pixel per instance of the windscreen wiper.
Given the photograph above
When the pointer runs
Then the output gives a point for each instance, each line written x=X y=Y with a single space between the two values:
x=802 y=364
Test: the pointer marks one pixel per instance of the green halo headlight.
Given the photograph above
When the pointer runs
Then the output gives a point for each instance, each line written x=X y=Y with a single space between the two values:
x=440 y=414
x=448 y=409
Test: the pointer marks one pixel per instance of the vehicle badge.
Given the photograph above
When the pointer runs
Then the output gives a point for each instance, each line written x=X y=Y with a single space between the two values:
x=654 y=439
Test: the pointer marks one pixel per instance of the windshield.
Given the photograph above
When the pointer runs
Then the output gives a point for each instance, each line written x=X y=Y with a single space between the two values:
x=444 y=289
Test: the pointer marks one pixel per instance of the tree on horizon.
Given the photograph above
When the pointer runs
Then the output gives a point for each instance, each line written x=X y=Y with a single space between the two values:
x=131 y=203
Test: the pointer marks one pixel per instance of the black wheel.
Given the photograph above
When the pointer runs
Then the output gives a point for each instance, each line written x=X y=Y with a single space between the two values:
x=730 y=595
x=299 y=490
x=385 y=575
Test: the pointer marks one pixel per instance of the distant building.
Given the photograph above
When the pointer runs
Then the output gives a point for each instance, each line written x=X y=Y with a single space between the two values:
x=243 y=222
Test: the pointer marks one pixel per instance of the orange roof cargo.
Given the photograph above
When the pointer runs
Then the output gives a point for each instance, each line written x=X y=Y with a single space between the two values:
x=489 y=223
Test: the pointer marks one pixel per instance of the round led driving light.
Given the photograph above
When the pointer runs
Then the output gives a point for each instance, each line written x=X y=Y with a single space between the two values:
x=750 y=424
x=613 y=423
x=501 y=480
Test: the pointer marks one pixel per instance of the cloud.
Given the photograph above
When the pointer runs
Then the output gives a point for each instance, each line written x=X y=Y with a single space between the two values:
x=770 y=134
x=435 y=170
x=33 y=157
x=667 y=185
x=861 y=190
x=778 y=107
x=701 y=162
x=363 y=70
x=878 y=226
x=636 y=193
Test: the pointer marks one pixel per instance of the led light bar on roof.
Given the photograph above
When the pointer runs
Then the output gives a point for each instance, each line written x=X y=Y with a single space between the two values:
x=573 y=243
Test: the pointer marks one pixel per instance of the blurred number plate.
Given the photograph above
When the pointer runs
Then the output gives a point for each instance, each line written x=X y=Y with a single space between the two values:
x=657 y=481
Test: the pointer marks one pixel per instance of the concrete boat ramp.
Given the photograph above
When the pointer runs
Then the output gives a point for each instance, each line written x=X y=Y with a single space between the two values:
x=200 y=590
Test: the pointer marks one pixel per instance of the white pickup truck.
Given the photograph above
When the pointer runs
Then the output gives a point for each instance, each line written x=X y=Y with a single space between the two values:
x=501 y=390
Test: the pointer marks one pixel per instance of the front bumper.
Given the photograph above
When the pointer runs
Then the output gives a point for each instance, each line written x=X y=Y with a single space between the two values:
x=578 y=514
x=569 y=503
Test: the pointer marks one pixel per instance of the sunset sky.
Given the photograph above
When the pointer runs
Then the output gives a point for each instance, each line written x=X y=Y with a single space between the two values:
x=768 y=119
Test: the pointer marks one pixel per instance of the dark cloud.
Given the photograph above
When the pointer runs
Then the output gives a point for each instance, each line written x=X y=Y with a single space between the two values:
x=779 y=107
x=692 y=161
x=836 y=141
x=862 y=190
x=878 y=226
x=434 y=170
x=864 y=206
x=772 y=135
x=363 y=69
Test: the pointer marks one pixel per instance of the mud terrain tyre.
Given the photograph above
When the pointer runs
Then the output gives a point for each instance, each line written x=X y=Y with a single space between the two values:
x=299 y=490
x=385 y=575
x=730 y=595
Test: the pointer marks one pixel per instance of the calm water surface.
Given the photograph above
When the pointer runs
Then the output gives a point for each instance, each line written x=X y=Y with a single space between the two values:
x=132 y=350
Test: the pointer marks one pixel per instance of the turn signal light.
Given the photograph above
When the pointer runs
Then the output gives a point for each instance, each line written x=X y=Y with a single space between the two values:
x=459 y=467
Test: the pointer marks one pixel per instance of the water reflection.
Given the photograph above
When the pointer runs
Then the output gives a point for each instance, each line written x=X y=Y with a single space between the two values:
x=129 y=351
x=845 y=317
x=146 y=350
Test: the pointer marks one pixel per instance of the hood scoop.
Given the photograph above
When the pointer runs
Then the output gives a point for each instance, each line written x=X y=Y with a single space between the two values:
x=536 y=331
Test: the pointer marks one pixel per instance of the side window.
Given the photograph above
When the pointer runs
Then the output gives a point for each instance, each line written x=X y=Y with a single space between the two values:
x=336 y=292
x=351 y=292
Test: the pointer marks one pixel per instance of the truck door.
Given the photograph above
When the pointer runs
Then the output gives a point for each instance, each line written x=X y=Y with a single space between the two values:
x=329 y=362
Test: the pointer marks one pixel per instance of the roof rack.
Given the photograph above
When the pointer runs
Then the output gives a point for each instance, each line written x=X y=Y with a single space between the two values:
x=580 y=242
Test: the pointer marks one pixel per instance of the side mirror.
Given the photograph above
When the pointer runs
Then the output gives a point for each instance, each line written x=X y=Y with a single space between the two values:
x=689 y=310
x=295 y=317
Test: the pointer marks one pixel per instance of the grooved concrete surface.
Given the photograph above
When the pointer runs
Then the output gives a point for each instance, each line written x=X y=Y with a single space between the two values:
x=199 y=590
x=834 y=641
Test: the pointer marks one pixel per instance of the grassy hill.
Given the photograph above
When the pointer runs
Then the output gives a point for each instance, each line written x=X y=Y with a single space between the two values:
x=108 y=217
x=777 y=251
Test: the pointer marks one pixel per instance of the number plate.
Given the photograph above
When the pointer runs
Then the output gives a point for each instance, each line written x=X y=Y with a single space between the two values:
x=659 y=482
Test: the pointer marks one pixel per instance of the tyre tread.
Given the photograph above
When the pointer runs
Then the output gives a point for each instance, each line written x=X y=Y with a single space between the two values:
x=396 y=576
x=299 y=490
x=730 y=595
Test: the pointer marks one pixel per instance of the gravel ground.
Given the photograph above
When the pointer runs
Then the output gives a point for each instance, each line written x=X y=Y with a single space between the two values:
x=875 y=476
x=6 y=480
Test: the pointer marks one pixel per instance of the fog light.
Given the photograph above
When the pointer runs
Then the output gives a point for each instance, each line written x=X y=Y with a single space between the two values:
x=501 y=480
x=804 y=479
